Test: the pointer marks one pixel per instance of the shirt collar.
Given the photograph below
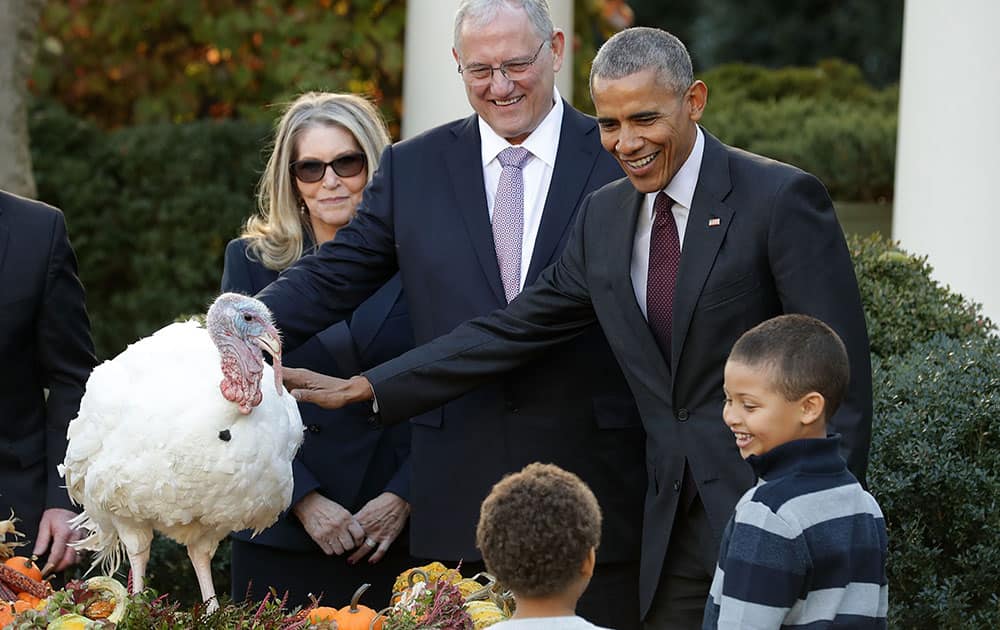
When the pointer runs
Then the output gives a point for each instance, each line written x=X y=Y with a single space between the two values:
x=681 y=187
x=543 y=142
x=812 y=455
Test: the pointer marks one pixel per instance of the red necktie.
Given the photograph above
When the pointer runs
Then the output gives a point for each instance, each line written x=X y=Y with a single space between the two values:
x=664 y=258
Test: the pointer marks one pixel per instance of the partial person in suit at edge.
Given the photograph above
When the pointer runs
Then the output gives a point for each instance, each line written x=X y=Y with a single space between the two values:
x=350 y=503
x=466 y=233
x=699 y=244
x=45 y=343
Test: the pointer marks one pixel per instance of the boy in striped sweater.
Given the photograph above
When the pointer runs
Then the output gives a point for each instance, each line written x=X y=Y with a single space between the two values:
x=806 y=547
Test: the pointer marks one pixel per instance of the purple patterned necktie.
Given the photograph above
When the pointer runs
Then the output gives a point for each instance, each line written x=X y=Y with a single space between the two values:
x=508 y=218
x=664 y=258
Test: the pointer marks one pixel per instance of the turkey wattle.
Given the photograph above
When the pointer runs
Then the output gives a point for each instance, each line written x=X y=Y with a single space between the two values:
x=188 y=432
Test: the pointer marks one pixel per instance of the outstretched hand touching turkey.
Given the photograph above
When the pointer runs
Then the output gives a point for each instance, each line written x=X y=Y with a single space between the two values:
x=327 y=392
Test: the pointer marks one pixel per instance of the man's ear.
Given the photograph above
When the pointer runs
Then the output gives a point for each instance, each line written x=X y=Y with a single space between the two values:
x=813 y=407
x=695 y=99
x=558 y=44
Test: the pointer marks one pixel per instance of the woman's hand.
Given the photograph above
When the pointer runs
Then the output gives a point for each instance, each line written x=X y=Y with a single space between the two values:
x=382 y=519
x=333 y=528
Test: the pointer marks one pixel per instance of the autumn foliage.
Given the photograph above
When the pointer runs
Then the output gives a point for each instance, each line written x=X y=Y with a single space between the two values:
x=124 y=63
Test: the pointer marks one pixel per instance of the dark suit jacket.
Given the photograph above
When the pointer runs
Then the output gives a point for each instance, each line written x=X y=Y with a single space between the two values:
x=45 y=343
x=425 y=215
x=342 y=457
x=776 y=248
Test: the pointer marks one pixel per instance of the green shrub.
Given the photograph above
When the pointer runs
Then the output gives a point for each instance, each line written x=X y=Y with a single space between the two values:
x=825 y=120
x=830 y=80
x=935 y=470
x=903 y=304
x=150 y=209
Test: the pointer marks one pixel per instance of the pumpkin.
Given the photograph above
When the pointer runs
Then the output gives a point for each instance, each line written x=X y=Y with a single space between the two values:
x=357 y=616
x=6 y=613
x=25 y=566
x=323 y=614
x=29 y=598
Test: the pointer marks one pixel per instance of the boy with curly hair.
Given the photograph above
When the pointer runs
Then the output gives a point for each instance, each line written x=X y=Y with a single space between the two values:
x=806 y=547
x=538 y=532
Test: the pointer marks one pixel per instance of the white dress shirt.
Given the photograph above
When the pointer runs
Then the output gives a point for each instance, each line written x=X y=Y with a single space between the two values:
x=681 y=190
x=543 y=144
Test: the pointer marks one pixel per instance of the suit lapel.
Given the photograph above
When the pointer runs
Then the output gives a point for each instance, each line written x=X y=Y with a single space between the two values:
x=465 y=170
x=622 y=239
x=706 y=228
x=574 y=162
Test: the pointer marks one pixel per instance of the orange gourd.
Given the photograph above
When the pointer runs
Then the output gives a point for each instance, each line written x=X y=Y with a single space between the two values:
x=357 y=616
x=25 y=566
x=6 y=613
x=323 y=614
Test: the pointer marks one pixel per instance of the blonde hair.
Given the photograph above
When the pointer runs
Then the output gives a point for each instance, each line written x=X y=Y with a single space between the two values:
x=276 y=233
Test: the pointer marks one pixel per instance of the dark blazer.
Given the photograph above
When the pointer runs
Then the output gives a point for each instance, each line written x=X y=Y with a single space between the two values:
x=45 y=343
x=425 y=215
x=342 y=457
x=776 y=247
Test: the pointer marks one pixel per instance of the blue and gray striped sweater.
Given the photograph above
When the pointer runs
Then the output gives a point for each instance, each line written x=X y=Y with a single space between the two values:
x=805 y=548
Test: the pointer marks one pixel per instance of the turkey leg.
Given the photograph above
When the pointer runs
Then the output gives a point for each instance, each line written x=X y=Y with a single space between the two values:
x=201 y=554
x=137 y=540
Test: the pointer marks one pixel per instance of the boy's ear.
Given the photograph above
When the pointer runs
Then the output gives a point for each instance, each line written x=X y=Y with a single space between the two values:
x=587 y=568
x=813 y=406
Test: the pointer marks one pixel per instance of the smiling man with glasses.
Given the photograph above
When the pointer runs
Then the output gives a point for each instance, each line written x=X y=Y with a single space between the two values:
x=470 y=213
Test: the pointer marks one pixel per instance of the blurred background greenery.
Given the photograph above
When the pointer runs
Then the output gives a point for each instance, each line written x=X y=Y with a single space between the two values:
x=151 y=121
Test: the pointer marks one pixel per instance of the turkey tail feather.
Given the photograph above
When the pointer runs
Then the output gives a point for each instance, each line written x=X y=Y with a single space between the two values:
x=103 y=540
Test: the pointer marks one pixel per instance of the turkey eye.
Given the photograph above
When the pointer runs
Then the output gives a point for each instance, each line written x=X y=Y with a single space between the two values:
x=248 y=318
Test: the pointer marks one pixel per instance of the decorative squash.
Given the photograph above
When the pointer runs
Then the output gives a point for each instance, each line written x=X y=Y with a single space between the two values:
x=323 y=614
x=484 y=613
x=30 y=599
x=6 y=613
x=109 y=599
x=69 y=622
x=357 y=616
x=25 y=566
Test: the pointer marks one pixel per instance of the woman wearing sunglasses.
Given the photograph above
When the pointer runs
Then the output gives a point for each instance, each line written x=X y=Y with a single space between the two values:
x=350 y=503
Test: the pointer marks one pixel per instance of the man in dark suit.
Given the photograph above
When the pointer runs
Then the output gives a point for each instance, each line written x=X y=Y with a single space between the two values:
x=699 y=244
x=45 y=345
x=439 y=212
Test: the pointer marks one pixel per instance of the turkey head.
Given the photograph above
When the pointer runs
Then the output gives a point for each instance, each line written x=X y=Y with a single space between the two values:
x=240 y=327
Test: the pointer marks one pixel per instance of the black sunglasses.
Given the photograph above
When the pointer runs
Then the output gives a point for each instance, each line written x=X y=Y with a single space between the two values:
x=311 y=171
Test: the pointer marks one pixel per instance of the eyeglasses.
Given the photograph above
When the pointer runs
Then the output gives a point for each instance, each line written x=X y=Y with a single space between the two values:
x=513 y=70
x=311 y=171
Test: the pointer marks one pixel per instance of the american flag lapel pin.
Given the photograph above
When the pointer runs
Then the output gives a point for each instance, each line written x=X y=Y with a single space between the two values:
x=714 y=222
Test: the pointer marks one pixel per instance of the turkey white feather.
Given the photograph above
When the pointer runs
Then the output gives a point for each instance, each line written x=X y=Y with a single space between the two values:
x=188 y=432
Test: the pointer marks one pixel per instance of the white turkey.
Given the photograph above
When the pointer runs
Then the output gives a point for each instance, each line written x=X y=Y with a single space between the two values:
x=188 y=432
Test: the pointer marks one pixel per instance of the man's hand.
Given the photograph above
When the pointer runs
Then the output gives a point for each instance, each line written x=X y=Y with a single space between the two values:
x=325 y=391
x=333 y=528
x=383 y=519
x=54 y=535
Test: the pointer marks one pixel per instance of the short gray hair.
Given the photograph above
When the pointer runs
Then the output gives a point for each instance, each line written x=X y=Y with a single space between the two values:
x=642 y=48
x=481 y=12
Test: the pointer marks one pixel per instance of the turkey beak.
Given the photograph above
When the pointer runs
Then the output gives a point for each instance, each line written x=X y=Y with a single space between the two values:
x=270 y=342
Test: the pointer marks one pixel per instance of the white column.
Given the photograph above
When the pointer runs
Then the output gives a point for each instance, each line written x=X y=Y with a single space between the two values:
x=433 y=93
x=949 y=136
